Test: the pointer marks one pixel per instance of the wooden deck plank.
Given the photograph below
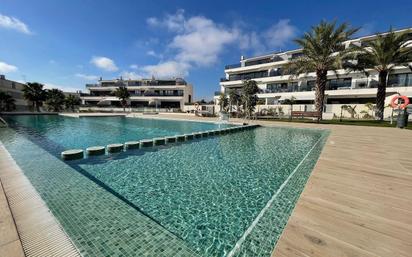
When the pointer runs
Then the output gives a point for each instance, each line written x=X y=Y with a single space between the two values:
x=358 y=200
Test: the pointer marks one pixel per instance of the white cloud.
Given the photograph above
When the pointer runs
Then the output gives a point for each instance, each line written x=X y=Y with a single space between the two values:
x=154 y=54
x=280 y=33
x=171 y=21
x=104 y=63
x=199 y=41
x=7 y=68
x=61 y=87
x=167 y=69
x=130 y=75
x=14 y=24
x=252 y=41
x=202 y=41
x=134 y=66
x=86 y=77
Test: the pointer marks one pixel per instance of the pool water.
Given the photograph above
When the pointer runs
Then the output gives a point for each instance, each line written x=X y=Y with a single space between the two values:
x=201 y=195
x=84 y=132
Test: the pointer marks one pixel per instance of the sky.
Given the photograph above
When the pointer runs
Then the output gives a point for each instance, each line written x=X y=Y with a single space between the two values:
x=66 y=44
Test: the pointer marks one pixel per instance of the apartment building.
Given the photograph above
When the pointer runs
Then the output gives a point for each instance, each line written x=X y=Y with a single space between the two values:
x=14 y=89
x=343 y=88
x=151 y=93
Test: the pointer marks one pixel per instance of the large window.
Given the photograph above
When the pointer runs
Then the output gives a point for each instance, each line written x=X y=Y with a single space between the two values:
x=400 y=80
x=250 y=75
x=335 y=84
x=282 y=87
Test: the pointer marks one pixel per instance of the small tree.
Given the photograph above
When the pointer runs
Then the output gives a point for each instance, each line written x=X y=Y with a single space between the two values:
x=291 y=101
x=7 y=102
x=223 y=102
x=234 y=100
x=371 y=108
x=34 y=93
x=350 y=109
x=248 y=97
x=55 y=99
x=123 y=94
x=71 y=102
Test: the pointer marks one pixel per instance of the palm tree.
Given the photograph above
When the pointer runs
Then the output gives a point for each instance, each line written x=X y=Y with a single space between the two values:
x=7 y=102
x=71 y=102
x=382 y=55
x=55 y=99
x=248 y=96
x=123 y=94
x=322 y=50
x=234 y=100
x=223 y=102
x=34 y=93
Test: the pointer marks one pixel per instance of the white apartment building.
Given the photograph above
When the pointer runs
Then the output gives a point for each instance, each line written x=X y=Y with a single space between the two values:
x=14 y=89
x=146 y=93
x=349 y=88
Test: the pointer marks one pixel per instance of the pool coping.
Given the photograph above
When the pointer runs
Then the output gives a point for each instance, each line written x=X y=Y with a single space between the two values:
x=39 y=233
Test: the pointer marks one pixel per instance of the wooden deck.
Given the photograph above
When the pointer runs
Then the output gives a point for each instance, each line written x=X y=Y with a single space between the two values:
x=358 y=200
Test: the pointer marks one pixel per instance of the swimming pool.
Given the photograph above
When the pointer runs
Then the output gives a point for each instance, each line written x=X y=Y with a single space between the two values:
x=223 y=195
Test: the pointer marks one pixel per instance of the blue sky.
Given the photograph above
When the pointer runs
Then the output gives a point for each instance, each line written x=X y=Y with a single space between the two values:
x=67 y=44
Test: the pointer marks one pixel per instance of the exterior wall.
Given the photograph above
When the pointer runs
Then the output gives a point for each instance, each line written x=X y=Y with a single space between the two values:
x=144 y=93
x=14 y=89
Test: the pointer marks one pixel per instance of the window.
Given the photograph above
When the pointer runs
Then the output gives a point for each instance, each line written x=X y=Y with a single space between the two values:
x=400 y=80
x=335 y=84
x=250 y=75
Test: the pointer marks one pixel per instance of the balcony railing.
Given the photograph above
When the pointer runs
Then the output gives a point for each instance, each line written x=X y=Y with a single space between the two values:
x=92 y=85
x=232 y=66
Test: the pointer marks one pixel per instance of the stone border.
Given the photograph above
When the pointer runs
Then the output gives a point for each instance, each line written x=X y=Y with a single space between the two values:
x=39 y=231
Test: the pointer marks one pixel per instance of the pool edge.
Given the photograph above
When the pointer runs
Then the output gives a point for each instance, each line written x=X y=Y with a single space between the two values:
x=28 y=208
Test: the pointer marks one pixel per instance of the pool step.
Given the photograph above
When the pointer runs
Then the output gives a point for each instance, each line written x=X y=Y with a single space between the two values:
x=132 y=145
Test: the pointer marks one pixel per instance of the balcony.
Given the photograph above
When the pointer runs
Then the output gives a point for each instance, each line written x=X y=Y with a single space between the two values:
x=232 y=66
x=92 y=85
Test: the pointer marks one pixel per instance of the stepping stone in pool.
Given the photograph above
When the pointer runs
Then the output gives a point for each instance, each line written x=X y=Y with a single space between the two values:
x=95 y=150
x=132 y=145
x=72 y=154
x=114 y=148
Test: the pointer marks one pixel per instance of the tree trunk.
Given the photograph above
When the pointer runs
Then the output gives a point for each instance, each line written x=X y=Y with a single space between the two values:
x=321 y=79
x=380 y=96
x=37 y=106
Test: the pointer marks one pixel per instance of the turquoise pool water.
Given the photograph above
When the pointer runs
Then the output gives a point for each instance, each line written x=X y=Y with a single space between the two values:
x=200 y=197
x=84 y=132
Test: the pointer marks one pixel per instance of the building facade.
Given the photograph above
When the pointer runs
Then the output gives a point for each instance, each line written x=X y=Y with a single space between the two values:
x=343 y=88
x=14 y=89
x=153 y=93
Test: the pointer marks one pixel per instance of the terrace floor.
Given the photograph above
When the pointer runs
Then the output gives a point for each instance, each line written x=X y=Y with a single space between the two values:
x=357 y=202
